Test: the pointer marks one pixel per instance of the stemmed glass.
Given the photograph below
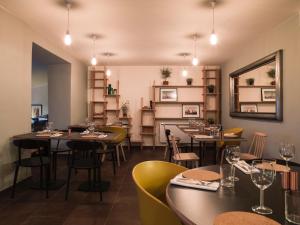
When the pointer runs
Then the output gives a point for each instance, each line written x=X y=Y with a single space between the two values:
x=287 y=152
x=49 y=127
x=232 y=156
x=91 y=127
x=262 y=175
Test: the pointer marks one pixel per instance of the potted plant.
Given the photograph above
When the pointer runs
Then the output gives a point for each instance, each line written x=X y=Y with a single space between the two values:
x=165 y=74
x=125 y=108
x=189 y=81
x=271 y=73
x=250 y=81
x=211 y=88
x=210 y=121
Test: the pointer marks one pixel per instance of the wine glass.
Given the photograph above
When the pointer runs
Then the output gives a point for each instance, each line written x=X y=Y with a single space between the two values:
x=91 y=127
x=232 y=156
x=262 y=175
x=287 y=152
x=49 y=127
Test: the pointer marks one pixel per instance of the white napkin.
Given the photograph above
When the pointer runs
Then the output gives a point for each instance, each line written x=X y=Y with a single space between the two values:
x=191 y=130
x=56 y=135
x=102 y=136
x=243 y=166
x=202 y=136
x=205 y=185
x=85 y=132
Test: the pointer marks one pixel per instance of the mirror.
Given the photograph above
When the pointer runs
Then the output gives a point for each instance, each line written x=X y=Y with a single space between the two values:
x=256 y=89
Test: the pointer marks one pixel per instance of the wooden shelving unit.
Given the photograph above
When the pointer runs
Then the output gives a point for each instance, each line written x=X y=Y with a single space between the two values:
x=212 y=111
x=148 y=130
x=100 y=107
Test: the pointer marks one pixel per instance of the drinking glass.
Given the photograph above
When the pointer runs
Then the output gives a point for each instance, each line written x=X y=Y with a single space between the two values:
x=287 y=152
x=49 y=127
x=262 y=175
x=232 y=156
x=91 y=127
x=292 y=206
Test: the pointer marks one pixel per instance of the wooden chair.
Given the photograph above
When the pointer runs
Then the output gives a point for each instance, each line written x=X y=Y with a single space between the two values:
x=179 y=157
x=256 y=148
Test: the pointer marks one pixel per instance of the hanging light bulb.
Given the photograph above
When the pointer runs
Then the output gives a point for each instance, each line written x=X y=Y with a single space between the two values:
x=108 y=72
x=195 y=60
x=213 y=39
x=68 y=38
x=94 y=59
x=184 y=72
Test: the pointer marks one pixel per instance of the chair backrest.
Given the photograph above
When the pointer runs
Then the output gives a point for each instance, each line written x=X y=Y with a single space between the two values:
x=122 y=133
x=84 y=150
x=258 y=144
x=30 y=144
x=237 y=131
x=176 y=150
x=151 y=179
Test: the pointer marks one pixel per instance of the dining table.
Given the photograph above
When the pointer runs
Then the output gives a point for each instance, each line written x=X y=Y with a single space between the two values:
x=200 y=207
x=55 y=184
x=204 y=137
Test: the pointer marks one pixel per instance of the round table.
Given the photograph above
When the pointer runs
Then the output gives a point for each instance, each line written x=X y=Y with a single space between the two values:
x=200 y=207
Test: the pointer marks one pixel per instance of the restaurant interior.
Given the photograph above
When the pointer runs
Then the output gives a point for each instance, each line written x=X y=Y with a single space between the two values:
x=162 y=112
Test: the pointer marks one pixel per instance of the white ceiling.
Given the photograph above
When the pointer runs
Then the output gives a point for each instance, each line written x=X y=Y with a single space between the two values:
x=149 y=32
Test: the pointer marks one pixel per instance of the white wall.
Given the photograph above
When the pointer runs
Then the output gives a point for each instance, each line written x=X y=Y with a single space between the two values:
x=15 y=84
x=39 y=89
x=285 y=36
x=59 y=95
x=137 y=81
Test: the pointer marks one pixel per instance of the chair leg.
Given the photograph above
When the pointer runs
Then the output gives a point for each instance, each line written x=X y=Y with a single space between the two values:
x=165 y=153
x=118 y=155
x=196 y=163
x=68 y=183
x=41 y=177
x=47 y=180
x=99 y=180
x=15 y=181
x=123 y=153
x=113 y=157
x=54 y=165
x=90 y=182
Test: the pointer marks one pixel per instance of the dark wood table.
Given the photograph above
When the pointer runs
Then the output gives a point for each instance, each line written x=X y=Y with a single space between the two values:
x=74 y=136
x=200 y=207
x=203 y=140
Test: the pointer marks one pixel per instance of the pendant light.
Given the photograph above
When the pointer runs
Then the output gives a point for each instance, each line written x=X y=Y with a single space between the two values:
x=195 y=60
x=68 y=38
x=107 y=70
x=94 y=59
x=213 y=39
x=184 y=71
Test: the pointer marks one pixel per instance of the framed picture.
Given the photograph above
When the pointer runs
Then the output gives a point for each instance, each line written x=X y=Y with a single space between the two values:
x=190 y=111
x=168 y=95
x=249 y=108
x=268 y=94
x=36 y=110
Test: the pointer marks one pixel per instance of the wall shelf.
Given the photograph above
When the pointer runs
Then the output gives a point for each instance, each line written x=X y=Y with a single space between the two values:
x=257 y=103
x=179 y=102
x=178 y=86
x=256 y=86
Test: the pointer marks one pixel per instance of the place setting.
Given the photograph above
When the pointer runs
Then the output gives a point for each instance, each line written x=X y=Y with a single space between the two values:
x=49 y=132
x=91 y=133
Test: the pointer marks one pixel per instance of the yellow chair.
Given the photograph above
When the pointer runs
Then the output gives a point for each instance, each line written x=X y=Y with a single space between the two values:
x=151 y=179
x=237 y=131
x=118 y=141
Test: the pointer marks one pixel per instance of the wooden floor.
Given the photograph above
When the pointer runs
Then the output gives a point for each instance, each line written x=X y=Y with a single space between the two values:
x=119 y=205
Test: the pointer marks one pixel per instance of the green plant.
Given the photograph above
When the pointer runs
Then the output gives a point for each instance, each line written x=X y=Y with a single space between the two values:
x=165 y=73
x=124 y=108
x=189 y=81
x=250 y=81
x=210 y=121
x=271 y=73
x=211 y=88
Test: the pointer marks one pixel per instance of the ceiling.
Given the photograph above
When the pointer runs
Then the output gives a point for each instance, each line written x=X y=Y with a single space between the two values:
x=152 y=32
x=44 y=57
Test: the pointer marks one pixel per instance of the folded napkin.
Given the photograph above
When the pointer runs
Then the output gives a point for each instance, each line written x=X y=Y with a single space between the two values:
x=56 y=135
x=205 y=185
x=191 y=130
x=102 y=136
x=202 y=136
x=243 y=166
x=85 y=132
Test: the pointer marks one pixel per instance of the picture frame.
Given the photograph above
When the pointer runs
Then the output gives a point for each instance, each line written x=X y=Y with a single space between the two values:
x=268 y=95
x=249 y=108
x=36 y=110
x=190 y=111
x=168 y=95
